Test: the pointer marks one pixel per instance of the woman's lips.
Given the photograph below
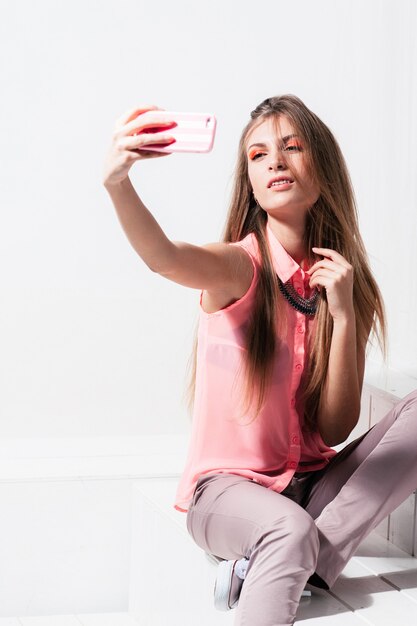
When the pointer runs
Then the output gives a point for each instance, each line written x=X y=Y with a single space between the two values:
x=281 y=187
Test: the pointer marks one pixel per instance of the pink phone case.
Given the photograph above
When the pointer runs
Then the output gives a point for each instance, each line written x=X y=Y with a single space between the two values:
x=194 y=132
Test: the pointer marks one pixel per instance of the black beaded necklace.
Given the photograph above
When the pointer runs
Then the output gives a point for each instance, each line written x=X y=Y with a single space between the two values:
x=307 y=306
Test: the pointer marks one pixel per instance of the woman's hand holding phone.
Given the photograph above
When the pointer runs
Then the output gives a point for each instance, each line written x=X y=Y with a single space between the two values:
x=129 y=137
x=144 y=133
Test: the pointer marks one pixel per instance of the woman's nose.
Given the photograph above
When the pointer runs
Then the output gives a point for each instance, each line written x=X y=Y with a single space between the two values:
x=276 y=162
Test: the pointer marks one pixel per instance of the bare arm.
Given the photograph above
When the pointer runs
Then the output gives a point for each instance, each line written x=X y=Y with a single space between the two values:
x=216 y=267
x=139 y=225
x=219 y=268
x=339 y=408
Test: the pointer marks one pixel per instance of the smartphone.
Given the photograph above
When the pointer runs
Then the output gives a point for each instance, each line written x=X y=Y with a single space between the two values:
x=194 y=132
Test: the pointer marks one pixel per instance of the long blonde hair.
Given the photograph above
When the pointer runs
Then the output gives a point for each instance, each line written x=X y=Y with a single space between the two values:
x=331 y=222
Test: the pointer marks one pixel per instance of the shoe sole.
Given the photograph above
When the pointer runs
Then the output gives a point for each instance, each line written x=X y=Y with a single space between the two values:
x=223 y=586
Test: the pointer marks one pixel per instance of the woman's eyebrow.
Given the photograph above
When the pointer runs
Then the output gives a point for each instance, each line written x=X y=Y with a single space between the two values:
x=263 y=145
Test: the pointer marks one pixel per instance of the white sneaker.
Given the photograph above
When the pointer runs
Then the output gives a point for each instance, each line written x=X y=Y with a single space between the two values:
x=229 y=581
x=228 y=585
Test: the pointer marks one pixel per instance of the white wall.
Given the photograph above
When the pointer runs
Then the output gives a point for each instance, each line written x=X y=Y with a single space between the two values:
x=93 y=343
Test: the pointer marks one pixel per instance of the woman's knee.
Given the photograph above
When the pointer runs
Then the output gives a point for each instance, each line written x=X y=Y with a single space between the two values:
x=411 y=398
x=297 y=530
x=407 y=407
x=304 y=530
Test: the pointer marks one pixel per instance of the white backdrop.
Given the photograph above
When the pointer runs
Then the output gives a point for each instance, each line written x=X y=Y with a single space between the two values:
x=91 y=341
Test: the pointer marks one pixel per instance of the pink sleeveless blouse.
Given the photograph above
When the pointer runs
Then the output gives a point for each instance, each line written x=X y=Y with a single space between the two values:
x=270 y=449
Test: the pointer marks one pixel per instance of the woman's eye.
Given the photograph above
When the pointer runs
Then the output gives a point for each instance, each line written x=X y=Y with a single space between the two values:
x=293 y=147
x=255 y=155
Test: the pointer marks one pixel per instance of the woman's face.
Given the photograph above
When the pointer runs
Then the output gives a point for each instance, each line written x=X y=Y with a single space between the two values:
x=272 y=149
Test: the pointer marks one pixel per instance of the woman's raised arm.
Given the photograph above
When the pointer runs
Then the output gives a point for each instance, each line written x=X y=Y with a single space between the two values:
x=218 y=267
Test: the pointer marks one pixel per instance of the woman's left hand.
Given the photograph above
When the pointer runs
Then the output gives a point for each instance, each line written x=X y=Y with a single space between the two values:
x=335 y=274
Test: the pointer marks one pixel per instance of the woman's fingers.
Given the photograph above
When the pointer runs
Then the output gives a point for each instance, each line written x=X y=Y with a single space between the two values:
x=334 y=261
x=126 y=144
x=151 y=154
x=140 y=128
x=146 y=122
x=133 y=113
x=325 y=263
x=135 y=142
x=332 y=254
x=335 y=275
x=322 y=277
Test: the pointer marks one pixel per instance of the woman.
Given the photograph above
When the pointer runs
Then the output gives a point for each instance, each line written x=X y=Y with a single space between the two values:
x=287 y=306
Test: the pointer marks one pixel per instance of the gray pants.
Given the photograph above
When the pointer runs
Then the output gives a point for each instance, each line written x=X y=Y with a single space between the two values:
x=315 y=525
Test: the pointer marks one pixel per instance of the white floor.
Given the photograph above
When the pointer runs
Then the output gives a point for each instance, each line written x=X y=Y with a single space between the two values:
x=378 y=587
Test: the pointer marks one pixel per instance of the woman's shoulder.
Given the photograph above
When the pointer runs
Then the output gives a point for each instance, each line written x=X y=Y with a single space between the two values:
x=249 y=243
x=244 y=276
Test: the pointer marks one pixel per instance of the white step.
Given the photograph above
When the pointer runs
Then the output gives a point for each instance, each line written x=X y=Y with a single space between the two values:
x=74 y=506
x=171 y=578
x=96 y=619
x=39 y=460
x=66 y=535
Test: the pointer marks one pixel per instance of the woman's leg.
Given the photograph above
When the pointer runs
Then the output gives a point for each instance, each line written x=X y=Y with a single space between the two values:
x=363 y=484
x=234 y=517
